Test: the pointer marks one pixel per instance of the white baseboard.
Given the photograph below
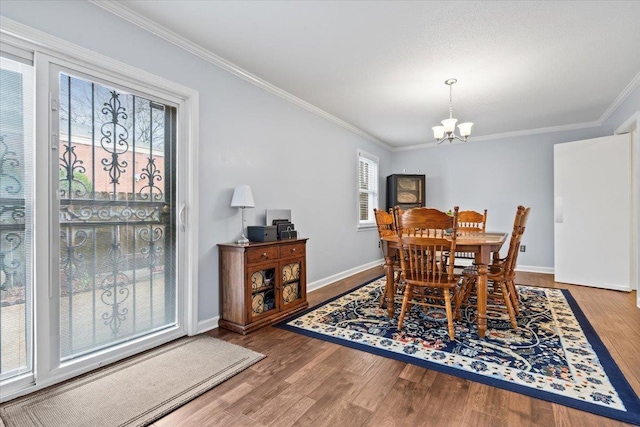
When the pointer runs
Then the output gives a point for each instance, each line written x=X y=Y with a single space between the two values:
x=600 y=286
x=343 y=274
x=207 y=324
x=535 y=269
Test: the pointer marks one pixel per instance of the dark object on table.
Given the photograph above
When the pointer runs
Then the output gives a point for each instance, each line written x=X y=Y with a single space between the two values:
x=262 y=233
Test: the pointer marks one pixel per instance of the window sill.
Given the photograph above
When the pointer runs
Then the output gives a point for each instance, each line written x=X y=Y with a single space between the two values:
x=367 y=227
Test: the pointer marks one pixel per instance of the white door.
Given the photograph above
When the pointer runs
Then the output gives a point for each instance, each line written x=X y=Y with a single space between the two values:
x=592 y=212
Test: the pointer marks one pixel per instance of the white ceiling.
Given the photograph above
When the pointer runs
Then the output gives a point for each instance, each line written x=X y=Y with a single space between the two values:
x=380 y=66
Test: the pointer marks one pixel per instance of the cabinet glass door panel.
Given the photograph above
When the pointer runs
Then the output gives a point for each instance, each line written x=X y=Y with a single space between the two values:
x=263 y=298
x=291 y=289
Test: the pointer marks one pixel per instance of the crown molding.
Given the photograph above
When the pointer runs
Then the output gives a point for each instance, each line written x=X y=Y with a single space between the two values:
x=630 y=124
x=153 y=27
x=504 y=135
x=633 y=84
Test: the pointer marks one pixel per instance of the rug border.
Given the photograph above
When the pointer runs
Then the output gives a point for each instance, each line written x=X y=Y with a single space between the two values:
x=620 y=383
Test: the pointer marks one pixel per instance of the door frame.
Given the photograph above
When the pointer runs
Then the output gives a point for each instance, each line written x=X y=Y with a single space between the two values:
x=48 y=49
x=632 y=126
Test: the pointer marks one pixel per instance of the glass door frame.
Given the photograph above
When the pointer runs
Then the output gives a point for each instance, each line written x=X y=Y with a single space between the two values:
x=49 y=52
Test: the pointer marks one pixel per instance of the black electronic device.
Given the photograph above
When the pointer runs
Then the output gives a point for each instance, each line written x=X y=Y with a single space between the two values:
x=288 y=234
x=285 y=226
x=262 y=233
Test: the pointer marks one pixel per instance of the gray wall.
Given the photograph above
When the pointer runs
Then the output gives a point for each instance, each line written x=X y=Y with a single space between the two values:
x=290 y=157
x=501 y=174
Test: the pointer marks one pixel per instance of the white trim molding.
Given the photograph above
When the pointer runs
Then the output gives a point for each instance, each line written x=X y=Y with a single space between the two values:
x=535 y=269
x=342 y=275
x=632 y=126
x=633 y=84
x=504 y=135
x=207 y=325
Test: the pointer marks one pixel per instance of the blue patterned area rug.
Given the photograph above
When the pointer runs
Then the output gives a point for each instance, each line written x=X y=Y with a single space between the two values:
x=555 y=355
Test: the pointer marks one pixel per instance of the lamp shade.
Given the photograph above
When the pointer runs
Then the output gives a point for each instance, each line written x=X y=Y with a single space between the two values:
x=438 y=131
x=242 y=197
x=449 y=125
x=465 y=128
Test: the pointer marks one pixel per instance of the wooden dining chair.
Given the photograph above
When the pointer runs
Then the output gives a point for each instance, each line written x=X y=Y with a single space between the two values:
x=396 y=211
x=387 y=226
x=426 y=235
x=501 y=273
x=469 y=222
x=472 y=221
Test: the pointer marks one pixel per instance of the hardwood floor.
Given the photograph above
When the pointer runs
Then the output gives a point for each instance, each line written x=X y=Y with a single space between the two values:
x=308 y=382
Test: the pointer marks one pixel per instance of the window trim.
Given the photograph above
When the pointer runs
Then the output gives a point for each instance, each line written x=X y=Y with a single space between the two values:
x=370 y=224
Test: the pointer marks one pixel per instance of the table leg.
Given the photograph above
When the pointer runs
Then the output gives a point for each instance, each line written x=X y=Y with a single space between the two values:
x=482 y=300
x=389 y=288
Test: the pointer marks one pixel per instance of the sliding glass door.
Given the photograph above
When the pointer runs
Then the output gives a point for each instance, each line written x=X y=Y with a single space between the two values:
x=116 y=214
x=93 y=247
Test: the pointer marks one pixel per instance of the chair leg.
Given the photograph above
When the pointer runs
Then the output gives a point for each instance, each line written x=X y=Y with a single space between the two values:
x=447 y=302
x=457 y=298
x=405 y=302
x=468 y=288
x=384 y=295
x=396 y=279
x=507 y=300
x=514 y=297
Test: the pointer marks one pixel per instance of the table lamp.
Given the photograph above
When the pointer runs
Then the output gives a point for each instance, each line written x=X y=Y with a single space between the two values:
x=242 y=198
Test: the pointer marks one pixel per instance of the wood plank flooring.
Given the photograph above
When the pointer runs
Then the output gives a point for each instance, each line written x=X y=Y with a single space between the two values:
x=308 y=382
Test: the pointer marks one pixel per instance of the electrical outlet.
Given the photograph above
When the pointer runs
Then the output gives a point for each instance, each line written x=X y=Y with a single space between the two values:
x=523 y=248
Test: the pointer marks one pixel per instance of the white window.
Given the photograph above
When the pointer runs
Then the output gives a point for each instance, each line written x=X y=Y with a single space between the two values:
x=367 y=188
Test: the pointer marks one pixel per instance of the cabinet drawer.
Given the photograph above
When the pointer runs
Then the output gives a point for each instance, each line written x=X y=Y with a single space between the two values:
x=262 y=254
x=290 y=251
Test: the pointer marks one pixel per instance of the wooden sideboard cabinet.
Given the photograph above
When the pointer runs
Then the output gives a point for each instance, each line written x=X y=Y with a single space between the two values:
x=261 y=283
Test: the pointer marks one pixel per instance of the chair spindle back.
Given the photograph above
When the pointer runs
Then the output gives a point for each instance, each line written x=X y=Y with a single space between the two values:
x=427 y=236
x=519 y=225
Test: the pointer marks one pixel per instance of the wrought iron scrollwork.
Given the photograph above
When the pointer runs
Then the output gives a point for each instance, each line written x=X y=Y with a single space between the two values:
x=8 y=158
x=129 y=231
x=115 y=290
x=109 y=213
x=152 y=174
x=114 y=138
x=154 y=250
x=11 y=213
x=71 y=167
x=71 y=259
x=9 y=266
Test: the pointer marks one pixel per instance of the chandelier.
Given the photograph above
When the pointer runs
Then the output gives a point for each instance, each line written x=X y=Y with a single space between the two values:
x=448 y=128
